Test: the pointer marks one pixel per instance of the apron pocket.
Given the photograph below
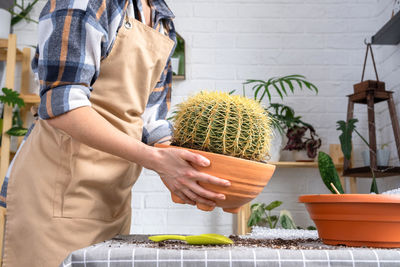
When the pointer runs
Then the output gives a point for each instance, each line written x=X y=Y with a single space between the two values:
x=96 y=185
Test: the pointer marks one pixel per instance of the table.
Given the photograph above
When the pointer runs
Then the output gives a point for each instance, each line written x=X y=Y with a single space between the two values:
x=115 y=254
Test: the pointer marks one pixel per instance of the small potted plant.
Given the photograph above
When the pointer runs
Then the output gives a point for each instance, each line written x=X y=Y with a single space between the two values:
x=178 y=58
x=11 y=12
x=382 y=155
x=11 y=98
x=261 y=216
x=301 y=136
x=280 y=113
x=5 y=18
x=234 y=133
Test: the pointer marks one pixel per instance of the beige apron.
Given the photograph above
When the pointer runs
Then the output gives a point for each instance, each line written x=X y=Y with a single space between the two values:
x=64 y=195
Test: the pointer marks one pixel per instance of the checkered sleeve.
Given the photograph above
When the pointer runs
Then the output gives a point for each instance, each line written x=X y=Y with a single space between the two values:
x=155 y=124
x=73 y=37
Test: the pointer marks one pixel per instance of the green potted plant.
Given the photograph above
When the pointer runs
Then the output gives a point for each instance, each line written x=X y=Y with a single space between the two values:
x=178 y=58
x=5 y=18
x=11 y=12
x=261 y=216
x=21 y=11
x=11 y=97
x=284 y=119
x=301 y=136
x=234 y=133
x=382 y=155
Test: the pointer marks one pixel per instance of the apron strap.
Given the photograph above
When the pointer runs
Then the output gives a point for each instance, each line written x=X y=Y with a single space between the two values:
x=160 y=27
x=140 y=10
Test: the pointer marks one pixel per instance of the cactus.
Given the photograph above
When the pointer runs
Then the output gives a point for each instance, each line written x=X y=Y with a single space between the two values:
x=224 y=124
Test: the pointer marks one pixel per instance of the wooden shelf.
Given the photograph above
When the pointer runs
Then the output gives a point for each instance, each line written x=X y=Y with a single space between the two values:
x=12 y=154
x=178 y=77
x=30 y=98
x=361 y=98
x=298 y=164
x=389 y=34
x=365 y=172
x=3 y=43
x=3 y=55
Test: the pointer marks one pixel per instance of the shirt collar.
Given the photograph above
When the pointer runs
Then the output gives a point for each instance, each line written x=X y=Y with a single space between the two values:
x=162 y=11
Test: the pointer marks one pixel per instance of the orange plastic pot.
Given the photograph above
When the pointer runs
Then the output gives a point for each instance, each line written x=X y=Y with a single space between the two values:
x=248 y=178
x=356 y=220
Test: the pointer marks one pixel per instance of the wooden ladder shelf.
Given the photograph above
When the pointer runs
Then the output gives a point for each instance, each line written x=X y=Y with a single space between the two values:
x=11 y=55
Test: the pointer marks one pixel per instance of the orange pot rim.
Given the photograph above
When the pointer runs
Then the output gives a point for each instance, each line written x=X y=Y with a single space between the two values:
x=350 y=198
x=216 y=155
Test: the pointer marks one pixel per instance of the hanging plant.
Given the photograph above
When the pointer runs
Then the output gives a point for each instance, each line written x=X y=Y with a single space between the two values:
x=21 y=12
x=12 y=98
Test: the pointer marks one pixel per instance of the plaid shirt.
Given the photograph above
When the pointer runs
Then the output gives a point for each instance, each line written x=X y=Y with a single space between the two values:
x=74 y=36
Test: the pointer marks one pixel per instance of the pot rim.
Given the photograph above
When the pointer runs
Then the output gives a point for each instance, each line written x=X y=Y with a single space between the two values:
x=216 y=155
x=350 y=198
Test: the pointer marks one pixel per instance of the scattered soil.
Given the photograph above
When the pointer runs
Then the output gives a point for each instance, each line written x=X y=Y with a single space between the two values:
x=306 y=244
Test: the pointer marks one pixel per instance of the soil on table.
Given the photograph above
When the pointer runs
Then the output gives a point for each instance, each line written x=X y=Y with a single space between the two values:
x=142 y=241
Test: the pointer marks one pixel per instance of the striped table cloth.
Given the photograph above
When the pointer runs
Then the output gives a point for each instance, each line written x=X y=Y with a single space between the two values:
x=115 y=254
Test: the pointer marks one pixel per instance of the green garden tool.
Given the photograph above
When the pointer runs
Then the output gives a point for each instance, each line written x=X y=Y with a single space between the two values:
x=204 y=239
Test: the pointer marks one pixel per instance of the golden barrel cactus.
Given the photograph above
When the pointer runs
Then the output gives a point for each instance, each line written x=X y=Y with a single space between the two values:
x=225 y=124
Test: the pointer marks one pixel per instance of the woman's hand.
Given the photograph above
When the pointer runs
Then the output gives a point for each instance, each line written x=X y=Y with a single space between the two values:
x=174 y=167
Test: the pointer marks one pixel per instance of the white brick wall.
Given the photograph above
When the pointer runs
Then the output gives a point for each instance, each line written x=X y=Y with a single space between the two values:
x=229 y=41
x=389 y=72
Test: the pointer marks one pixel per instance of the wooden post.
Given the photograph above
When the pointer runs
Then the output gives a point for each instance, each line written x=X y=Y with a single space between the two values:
x=7 y=110
x=395 y=123
x=350 y=112
x=242 y=218
x=335 y=152
x=2 y=225
x=371 y=131
x=353 y=185
x=25 y=84
x=7 y=123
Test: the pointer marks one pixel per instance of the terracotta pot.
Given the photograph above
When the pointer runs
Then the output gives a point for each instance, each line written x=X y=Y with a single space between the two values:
x=355 y=219
x=248 y=178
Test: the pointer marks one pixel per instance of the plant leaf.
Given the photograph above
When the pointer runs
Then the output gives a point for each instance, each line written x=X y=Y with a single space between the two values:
x=257 y=214
x=273 y=205
x=17 y=131
x=345 y=138
x=328 y=172
x=286 y=220
x=374 y=186
x=11 y=98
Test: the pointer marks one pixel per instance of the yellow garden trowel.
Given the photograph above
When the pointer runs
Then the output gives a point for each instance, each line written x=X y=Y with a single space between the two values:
x=204 y=239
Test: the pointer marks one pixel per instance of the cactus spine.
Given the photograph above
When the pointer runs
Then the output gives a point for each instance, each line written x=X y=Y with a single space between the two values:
x=225 y=124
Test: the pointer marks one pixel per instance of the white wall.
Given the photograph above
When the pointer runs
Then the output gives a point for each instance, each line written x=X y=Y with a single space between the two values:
x=230 y=41
x=389 y=72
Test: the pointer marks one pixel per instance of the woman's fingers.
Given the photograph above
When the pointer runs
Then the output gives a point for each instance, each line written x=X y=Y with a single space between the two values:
x=176 y=169
x=209 y=179
x=197 y=199
x=194 y=158
x=203 y=193
x=204 y=162
x=186 y=199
